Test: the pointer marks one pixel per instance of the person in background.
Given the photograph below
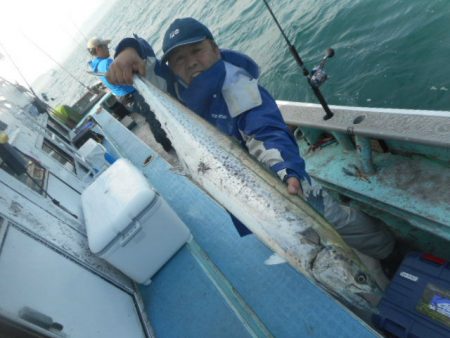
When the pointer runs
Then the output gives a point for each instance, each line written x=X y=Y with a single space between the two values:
x=127 y=95
x=222 y=87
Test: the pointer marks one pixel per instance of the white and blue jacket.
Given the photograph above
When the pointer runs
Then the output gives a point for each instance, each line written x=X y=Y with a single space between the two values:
x=228 y=96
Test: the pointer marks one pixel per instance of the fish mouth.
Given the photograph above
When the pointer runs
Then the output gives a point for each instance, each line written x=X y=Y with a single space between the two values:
x=370 y=298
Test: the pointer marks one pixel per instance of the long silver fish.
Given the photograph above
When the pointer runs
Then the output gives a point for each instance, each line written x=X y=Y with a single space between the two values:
x=285 y=223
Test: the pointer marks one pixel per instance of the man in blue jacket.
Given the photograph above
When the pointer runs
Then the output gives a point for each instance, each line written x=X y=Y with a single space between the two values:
x=222 y=87
x=127 y=95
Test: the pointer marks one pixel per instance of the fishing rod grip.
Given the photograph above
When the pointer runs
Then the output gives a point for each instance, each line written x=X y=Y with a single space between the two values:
x=328 y=113
x=298 y=59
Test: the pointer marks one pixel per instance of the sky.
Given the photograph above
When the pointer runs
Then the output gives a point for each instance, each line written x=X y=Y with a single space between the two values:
x=55 y=26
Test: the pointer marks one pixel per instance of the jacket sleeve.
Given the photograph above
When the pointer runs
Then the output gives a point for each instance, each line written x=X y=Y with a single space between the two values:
x=139 y=44
x=269 y=140
x=157 y=73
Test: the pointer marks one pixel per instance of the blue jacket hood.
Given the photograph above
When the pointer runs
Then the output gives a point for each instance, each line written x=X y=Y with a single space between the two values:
x=242 y=61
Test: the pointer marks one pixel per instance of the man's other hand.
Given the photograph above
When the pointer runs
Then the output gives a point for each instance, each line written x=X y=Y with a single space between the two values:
x=293 y=186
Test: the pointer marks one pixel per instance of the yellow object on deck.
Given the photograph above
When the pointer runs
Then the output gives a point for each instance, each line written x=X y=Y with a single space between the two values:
x=67 y=115
x=4 y=138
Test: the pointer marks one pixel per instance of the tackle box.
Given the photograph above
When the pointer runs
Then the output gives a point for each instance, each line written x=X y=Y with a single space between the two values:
x=416 y=304
x=129 y=224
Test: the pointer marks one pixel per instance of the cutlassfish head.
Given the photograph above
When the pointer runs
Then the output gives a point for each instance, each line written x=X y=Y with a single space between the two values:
x=346 y=278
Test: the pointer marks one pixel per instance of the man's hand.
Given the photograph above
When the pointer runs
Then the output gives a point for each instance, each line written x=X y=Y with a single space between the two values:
x=127 y=63
x=293 y=186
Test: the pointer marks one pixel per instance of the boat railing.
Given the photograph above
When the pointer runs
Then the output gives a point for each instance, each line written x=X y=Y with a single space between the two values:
x=426 y=127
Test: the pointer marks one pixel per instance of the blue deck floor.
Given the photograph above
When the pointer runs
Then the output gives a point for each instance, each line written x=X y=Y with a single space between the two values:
x=183 y=301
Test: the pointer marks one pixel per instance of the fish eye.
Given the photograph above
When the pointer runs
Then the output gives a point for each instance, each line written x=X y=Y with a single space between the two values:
x=361 y=278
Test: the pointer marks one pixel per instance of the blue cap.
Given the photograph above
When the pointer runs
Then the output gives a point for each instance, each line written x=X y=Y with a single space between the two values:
x=184 y=32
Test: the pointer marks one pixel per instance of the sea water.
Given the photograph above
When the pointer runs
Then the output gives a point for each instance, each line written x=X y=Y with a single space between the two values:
x=389 y=53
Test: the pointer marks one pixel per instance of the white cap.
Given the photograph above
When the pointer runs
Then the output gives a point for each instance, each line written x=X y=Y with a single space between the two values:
x=95 y=42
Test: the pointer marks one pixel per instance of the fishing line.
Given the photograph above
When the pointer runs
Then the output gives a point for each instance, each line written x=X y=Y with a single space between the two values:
x=77 y=42
x=77 y=28
x=315 y=78
x=18 y=70
x=37 y=100
x=60 y=65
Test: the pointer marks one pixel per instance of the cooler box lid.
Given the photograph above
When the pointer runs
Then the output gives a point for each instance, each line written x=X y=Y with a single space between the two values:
x=112 y=201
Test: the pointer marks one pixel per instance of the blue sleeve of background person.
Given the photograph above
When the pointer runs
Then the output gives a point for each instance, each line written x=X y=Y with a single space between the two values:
x=118 y=90
x=266 y=124
x=103 y=65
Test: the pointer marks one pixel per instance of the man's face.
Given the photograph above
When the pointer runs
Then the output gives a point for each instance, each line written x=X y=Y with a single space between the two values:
x=102 y=51
x=190 y=60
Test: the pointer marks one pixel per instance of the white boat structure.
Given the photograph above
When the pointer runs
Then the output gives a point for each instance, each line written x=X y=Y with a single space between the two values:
x=392 y=163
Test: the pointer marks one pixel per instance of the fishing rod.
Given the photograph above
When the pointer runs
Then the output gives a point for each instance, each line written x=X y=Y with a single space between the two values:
x=60 y=65
x=37 y=101
x=317 y=76
x=18 y=70
x=78 y=29
x=77 y=42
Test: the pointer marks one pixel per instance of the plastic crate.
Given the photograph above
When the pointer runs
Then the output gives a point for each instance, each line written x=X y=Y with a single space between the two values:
x=417 y=301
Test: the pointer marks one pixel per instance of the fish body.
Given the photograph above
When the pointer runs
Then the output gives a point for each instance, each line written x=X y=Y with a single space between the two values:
x=285 y=223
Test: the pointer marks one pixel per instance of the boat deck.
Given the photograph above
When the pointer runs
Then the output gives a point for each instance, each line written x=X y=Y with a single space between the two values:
x=218 y=284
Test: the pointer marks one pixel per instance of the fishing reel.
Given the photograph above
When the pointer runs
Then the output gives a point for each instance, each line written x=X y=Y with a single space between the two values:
x=318 y=75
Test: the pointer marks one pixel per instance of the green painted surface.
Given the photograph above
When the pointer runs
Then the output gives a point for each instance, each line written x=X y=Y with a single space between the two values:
x=409 y=191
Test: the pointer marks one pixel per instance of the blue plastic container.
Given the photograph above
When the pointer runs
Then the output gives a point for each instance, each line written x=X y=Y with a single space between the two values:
x=417 y=302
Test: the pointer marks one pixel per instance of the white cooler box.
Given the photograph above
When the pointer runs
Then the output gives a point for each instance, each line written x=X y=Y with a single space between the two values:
x=129 y=224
